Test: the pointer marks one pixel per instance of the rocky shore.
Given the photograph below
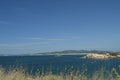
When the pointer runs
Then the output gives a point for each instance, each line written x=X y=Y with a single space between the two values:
x=102 y=56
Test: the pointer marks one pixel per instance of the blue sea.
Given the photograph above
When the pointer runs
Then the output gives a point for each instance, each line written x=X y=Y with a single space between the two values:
x=57 y=64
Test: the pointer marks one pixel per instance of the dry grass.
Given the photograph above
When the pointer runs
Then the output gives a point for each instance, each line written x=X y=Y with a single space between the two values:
x=19 y=74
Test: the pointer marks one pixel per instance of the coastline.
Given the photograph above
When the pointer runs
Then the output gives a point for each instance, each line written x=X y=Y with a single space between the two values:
x=102 y=56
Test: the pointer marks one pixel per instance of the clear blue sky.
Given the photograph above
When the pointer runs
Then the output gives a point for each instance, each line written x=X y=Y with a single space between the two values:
x=28 y=26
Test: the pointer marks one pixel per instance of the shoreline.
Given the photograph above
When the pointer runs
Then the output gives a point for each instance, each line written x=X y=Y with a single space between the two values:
x=102 y=56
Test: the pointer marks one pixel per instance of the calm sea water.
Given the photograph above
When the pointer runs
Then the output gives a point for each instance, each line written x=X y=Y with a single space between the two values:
x=57 y=64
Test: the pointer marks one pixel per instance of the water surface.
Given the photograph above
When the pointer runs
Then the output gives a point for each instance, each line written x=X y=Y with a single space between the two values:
x=56 y=64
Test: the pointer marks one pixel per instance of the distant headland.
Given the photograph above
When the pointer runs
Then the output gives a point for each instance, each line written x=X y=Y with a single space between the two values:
x=88 y=54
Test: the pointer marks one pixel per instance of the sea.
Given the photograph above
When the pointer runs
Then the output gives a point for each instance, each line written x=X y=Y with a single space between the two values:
x=57 y=64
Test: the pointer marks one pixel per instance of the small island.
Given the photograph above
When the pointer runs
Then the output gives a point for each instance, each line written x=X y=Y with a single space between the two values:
x=103 y=55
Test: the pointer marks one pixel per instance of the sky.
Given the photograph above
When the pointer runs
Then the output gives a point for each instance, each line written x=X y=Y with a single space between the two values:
x=32 y=26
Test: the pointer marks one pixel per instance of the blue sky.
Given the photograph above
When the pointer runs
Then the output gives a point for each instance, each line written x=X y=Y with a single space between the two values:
x=28 y=26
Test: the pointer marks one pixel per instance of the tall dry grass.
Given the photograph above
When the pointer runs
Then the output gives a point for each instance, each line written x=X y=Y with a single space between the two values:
x=19 y=74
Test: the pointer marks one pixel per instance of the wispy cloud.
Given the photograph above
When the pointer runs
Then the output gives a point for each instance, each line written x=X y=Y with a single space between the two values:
x=36 y=38
x=46 y=39
x=55 y=39
x=34 y=41
x=3 y=22
x=21 y=46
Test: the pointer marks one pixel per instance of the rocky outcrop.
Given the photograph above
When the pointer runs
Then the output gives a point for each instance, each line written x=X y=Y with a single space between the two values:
x=100 y=56
x=118 y=56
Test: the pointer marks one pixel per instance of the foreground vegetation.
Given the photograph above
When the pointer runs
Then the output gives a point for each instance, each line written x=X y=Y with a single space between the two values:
x=19 y=74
